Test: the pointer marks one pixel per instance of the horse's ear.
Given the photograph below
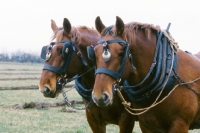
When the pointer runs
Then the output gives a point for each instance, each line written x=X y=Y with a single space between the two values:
x=99 y=25
x=54 y=27
x=66 y=25
x=119 y=26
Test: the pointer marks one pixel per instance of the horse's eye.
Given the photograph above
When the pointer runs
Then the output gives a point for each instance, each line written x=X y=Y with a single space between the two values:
x=121 y=54
x=60 y=51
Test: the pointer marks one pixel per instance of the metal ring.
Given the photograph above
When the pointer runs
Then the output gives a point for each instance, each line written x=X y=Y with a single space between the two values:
x=105 y=44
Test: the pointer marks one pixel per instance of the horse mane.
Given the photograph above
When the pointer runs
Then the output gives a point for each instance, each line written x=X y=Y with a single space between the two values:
x=76 y=33
x=133 y=27
x=85 y=35
x=136 y=25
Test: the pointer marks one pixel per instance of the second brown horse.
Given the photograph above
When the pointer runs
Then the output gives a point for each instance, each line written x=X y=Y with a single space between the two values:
x=163 y=82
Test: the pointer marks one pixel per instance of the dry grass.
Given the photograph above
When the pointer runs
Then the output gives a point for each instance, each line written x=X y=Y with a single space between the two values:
x=50 y=120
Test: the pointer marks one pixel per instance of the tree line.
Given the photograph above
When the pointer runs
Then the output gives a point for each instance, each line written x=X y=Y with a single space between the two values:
x=22 y=57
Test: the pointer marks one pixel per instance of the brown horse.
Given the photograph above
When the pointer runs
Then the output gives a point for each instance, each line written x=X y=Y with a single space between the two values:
x=67 y=58
x=162 y=81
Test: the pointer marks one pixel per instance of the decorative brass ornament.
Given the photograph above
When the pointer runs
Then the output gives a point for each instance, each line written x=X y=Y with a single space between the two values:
x=48 y=55
x=106 y=55
x=66 y=50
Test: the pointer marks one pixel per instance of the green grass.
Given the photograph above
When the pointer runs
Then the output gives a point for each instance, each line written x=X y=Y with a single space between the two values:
x=19 y=70
x=16 y=83
x=42 y=121
x=50 y=120
x=19 y=76
x=20 y=66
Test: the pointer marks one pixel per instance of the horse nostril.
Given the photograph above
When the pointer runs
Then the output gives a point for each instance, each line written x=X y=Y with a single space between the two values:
x=105 y=97
x=46 y=90
x=103 y=101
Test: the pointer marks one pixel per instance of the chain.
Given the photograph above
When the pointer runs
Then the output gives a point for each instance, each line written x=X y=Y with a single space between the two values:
x=68 y=103
x=182 y=82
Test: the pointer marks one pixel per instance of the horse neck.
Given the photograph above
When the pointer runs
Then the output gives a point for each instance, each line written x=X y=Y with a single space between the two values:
x=88 y=78
x=142 y=49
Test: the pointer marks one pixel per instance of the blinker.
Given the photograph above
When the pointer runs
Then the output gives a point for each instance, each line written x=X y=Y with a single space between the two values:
x=43 y=52
x=106 y=55
x=67 y=49
x=46 y=53
x=90 y=52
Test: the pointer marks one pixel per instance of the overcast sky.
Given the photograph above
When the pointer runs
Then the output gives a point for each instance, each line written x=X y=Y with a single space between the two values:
x=25 y=24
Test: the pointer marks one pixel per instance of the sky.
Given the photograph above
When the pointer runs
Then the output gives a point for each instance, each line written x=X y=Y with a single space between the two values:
x=25 y=25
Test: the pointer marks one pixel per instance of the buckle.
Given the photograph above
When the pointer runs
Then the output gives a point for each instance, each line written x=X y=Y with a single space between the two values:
x=119 y=80
x=61 y=81
x=105 y=44
x=78 y=53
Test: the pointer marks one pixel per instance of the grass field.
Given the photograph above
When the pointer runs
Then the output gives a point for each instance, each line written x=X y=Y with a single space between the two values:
x=48 y=120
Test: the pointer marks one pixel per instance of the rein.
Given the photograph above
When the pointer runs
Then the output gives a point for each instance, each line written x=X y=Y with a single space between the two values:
x=127 y=105
x=78 y=76
x=62 y=83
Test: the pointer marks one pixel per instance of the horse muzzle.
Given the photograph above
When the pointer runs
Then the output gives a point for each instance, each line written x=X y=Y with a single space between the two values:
x=103 y=101
x=47 y=92
x=52 y=93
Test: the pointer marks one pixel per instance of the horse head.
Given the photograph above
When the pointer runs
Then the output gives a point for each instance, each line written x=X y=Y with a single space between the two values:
x=111 y=55
x=62 y=58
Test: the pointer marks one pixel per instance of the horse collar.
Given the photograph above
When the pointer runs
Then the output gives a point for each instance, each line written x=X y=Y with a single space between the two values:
x=164 y=63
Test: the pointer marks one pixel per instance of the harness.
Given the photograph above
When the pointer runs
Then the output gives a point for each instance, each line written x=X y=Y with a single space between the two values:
x=106 y=55
x=164 y=63
x=67 y=51
x=163 y=70
x=82 y=90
